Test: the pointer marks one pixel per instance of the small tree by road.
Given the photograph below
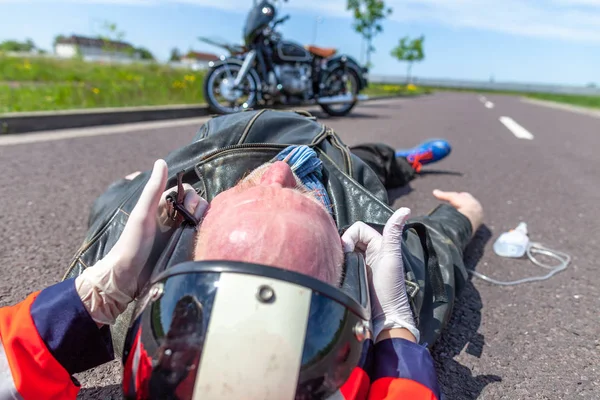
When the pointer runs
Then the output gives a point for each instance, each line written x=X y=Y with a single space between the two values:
x=175 y=55
x=409 y=51
x=111 y=38
x=145 y=54
x=368 y=15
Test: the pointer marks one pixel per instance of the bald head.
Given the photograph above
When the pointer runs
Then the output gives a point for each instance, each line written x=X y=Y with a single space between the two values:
x=270 y=218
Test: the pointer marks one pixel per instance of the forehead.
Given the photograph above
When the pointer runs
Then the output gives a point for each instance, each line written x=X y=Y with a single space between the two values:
x=266 y=198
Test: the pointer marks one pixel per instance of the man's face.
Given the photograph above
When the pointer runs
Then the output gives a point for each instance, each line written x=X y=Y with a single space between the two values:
x=271 y=218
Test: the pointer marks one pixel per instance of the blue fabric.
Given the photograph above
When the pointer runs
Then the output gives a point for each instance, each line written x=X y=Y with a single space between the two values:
x=72 y=337
x=401 y=358
x=439 y=148
x=306 y=165
x=366 y=357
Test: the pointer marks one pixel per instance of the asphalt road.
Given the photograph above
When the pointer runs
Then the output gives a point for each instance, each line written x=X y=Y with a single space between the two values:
x=535 y=341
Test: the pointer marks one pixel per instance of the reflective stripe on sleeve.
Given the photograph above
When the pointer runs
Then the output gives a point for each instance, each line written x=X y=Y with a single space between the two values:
x=35 y=372
x=399 y=388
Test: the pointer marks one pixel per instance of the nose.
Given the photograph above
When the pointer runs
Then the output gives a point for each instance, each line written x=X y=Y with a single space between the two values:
x=279 y=174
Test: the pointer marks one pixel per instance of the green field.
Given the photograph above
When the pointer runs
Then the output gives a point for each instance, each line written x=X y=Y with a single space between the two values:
x=45 y=84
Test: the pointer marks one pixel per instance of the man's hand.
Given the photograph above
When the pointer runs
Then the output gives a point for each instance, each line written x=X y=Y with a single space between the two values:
x=111 y=284
x=465 y=203
x=389 y=300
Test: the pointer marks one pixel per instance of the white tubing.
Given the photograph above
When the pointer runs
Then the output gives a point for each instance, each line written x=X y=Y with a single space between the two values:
x=533 y=248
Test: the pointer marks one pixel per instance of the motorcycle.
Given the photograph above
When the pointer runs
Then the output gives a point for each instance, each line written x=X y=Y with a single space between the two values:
x=269 y=70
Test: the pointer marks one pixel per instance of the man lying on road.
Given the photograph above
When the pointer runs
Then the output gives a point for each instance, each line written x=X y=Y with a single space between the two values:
x=253 y=293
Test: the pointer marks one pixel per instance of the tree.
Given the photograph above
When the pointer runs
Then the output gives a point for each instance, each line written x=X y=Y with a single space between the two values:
x=409 y=51
x=14 y=45
x=111 y=36
x=175 y=55
x=112 y=32
x=58 y=38
x=29 y=45
x=368 y=15
x=145 y=54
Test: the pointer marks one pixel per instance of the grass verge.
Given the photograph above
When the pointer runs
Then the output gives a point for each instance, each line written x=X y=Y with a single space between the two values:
x=583 y=101
x=381 y=89
x=41 y=84
x=576 y=100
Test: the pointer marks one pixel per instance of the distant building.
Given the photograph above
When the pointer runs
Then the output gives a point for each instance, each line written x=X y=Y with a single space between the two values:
x=94 y=49
x=197 y=60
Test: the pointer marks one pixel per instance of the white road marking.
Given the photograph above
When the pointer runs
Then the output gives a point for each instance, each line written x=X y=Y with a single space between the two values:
x=516 y=129
x=47 y=136
x=482 y=99
x=489 y=104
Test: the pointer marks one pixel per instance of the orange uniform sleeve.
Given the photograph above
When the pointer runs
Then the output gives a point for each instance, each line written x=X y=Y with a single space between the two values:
x=27 y=368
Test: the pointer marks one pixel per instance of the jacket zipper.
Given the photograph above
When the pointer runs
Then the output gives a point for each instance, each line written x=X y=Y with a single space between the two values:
x=267 y=146
x=336 y=143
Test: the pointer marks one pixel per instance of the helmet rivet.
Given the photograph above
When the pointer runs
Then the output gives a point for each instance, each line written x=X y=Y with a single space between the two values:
x=360 y=331
x=265 y=294
x=157 y=291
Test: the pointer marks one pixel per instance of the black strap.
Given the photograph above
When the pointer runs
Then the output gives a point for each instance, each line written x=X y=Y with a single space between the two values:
x=176 y=198
x=433 y=271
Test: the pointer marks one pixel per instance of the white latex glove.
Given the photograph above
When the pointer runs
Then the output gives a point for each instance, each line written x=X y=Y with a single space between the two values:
x=390 y=307
x=112 y=283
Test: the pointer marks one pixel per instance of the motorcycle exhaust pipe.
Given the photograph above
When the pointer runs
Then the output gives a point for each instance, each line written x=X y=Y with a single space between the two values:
x=246 y=65
x=342 y=99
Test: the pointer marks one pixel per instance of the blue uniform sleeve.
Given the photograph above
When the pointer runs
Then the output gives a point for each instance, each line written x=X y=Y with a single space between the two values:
x=400 y=358
x=67 y=329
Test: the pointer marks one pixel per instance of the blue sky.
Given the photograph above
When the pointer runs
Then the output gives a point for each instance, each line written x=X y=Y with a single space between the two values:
x=547 y=41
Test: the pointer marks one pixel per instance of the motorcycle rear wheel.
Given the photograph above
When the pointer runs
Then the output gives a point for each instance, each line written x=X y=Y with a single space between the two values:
x=222 y=97
x=351 y=86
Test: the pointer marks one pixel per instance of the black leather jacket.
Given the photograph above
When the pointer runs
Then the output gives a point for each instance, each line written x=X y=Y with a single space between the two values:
x=228 y=147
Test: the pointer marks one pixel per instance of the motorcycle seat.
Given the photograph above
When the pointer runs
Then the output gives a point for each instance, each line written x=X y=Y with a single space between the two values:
x=324 y=52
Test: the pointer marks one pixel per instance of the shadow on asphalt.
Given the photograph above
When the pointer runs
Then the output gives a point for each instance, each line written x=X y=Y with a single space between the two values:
x=352 y=115
x=457 y=380
x=439 y=172
x=396 y=193
x=110 y=392
x=381 y=105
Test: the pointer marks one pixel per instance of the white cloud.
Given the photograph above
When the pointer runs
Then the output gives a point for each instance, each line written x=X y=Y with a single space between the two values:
x=535 y=18
x=576 y=20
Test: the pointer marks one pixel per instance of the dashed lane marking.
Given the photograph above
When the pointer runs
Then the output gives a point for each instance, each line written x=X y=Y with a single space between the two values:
x=516 y=129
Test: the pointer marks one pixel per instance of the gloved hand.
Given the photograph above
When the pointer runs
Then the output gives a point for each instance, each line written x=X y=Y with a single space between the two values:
x=112 y=283
x=390 y=307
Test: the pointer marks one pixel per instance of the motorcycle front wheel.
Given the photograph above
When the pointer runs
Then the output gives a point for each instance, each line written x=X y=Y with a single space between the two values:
x=337 y=85
x=221 y=94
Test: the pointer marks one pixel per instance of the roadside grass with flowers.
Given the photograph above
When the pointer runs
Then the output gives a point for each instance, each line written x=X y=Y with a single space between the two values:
x=47 y=84
x=384 y=89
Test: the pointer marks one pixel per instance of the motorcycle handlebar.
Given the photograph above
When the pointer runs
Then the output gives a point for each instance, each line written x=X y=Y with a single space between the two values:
x=281 y=20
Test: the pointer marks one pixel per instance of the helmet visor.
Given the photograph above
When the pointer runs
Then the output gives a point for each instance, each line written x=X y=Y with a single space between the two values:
x=238 y=330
